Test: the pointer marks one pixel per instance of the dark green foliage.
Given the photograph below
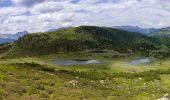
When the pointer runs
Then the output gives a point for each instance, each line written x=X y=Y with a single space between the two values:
x=163 y=35
x=161 y=54
x=147 y=75
x=165 y=40
x=5 y=47
x=95 y=75
x=36 y=66
x=83 y=38
x=34 y=43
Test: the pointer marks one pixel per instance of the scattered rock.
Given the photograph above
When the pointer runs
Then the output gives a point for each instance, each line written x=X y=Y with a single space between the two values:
x=140 y=78
x=129 y=92
x=165 y=97
x=82 y=98
x=51 y=74
x=92 y=82
x=119 y=87
x=77 y=77
x=102 y=81
x=46 y=73
x=73 y=82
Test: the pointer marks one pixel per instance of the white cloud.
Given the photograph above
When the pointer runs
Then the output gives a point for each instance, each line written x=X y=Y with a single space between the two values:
x=11 y=11
x=47 y=7
x=26 y=2
x=16 y=19
x=41 y=15
x=55 y=17
x=1 y=1
x=29 y=3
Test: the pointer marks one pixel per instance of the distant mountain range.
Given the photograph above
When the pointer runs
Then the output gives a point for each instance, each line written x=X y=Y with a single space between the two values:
x=137 y=29
x=8 y=38
x=163 y=34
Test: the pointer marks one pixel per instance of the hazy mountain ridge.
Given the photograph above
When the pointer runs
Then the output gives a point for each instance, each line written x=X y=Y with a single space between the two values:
x=137 y=29
x=162 y=32
x=56 y=29
x=8 y=38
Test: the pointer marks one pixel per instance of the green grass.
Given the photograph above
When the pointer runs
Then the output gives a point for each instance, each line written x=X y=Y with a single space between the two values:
x=20 y=82
x=114 y=79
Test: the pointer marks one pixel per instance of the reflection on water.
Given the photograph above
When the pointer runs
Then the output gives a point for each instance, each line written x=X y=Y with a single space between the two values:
x=75 y=62
x=140 y=61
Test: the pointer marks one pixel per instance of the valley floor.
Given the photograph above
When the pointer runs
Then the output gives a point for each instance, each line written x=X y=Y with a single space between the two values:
x=38 y=79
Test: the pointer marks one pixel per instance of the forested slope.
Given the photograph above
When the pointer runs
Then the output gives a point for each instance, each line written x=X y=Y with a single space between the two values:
x=83 y=38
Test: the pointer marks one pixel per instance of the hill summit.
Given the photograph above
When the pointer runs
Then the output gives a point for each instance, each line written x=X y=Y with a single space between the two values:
x=82 y=38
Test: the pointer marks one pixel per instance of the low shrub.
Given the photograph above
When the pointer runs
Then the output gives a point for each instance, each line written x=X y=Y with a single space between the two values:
x=36 y=66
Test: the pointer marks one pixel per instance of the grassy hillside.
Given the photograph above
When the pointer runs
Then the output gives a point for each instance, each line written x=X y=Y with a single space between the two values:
x=162 y=32
x=81 y=39
x=164 y=35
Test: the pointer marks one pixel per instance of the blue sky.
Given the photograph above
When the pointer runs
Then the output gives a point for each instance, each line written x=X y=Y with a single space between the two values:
x=42 y=15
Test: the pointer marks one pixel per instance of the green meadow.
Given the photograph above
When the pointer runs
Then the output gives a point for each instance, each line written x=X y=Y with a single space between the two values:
x=37 y=78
